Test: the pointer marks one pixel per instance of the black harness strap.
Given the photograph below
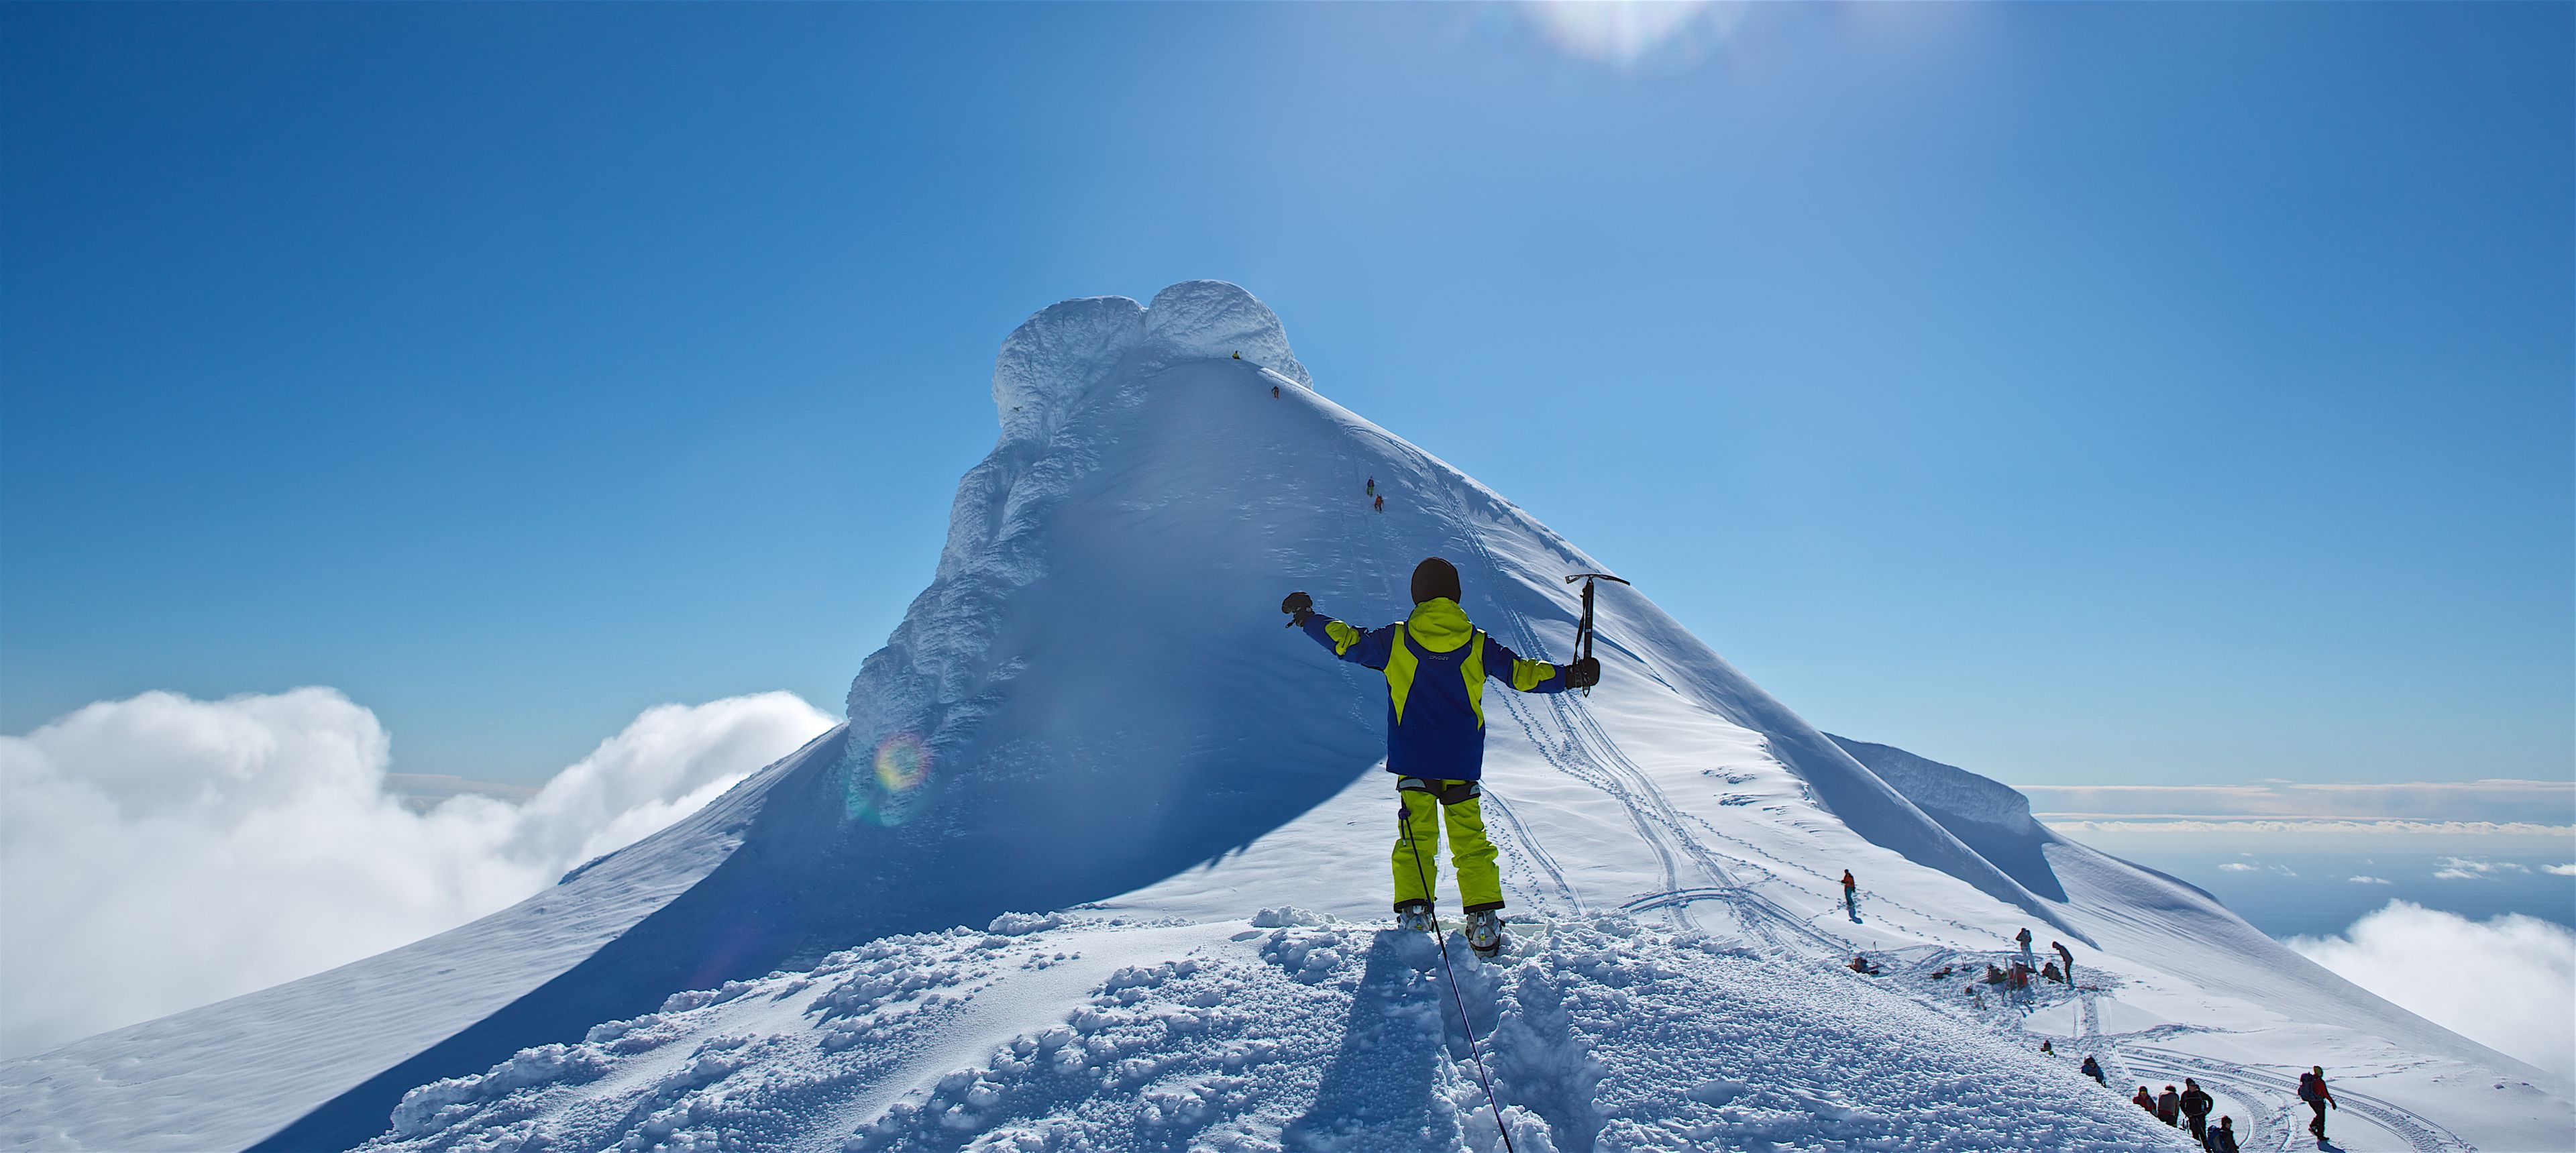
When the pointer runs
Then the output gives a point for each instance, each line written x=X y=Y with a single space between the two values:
x=1446 y=792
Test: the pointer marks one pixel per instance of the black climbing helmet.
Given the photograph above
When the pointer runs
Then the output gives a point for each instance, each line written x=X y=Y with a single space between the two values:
x=1434 y=578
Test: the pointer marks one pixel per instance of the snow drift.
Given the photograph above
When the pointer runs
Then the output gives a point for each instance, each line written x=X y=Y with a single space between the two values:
x=1093 y=710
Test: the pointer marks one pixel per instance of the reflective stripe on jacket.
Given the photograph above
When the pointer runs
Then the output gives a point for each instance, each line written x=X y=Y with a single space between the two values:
x=1436 y=663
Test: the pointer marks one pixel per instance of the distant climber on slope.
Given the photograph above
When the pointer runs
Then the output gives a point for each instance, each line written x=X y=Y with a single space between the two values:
x=1372 y=487
x=2093 y=1069
x=1436 y=663
x=1381 y=503
x=2066 y=955
x=2312 y=1089
x=2027 y=957
x=1851 y=897
x=2169 y=1107
x=2195 y=1109
x=2223 y=1138
x=2146 y=1099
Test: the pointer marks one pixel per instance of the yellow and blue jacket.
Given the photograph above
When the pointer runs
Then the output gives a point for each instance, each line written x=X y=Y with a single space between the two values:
x=1436 y=663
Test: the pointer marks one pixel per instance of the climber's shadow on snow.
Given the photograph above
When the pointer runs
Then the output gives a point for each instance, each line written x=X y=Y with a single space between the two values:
x=1378 y=1092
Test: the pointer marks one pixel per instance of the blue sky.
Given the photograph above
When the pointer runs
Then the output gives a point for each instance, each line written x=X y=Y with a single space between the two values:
x=2075 y=393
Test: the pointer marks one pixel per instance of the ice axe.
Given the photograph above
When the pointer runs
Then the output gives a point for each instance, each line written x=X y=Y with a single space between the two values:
x=1583 y=627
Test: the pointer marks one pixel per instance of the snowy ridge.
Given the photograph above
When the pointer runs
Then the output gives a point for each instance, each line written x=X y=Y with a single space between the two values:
x=1091 y=736
x=1987 y=816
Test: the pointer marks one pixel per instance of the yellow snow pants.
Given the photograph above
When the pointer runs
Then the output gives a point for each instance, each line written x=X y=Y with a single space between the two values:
x=1418 y=819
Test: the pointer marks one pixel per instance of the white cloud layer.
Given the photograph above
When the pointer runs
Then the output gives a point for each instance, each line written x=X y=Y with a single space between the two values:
x=160 y=853
x=2508 y=983
x=2495 y=804
x=2319 y=826
x=2471 y=869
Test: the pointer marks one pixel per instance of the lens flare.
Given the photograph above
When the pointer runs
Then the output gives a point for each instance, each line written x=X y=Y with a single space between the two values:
x=902 y=763
x=892 y=786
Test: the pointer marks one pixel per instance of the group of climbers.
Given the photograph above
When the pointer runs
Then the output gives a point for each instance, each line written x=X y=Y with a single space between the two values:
x=2189 y=1109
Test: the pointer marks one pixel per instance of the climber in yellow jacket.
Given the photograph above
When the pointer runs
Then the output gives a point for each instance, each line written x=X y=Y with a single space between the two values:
x=1436 y=662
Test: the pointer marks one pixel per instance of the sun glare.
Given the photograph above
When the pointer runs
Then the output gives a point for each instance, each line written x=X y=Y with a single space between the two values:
x=1624 y=32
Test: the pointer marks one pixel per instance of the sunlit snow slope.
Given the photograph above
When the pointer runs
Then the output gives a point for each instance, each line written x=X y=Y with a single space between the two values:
x=1094 y=709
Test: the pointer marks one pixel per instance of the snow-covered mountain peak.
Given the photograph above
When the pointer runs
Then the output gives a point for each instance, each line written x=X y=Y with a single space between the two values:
x=1056 y=360
x=1093 y=713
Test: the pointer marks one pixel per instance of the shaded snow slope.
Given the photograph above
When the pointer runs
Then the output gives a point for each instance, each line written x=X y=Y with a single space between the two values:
x=1094 y=707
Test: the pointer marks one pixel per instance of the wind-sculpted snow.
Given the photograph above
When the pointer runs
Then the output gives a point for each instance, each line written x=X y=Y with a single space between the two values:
x=1604 y=1035
x=1986 y=815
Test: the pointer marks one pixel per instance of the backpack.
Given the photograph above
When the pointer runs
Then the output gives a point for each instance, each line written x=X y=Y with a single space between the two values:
x=2309 y=1091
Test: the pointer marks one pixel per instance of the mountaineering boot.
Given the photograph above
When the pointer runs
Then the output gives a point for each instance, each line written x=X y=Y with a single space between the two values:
x=1416 y=916
x=1485 y=932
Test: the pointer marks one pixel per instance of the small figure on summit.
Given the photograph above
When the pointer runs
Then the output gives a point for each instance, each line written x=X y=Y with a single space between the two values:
x=1851 y=899
x=1274 y=392
x=2067 y=955
x=1238 y=356
x=2026 y=955
x=1436 y=662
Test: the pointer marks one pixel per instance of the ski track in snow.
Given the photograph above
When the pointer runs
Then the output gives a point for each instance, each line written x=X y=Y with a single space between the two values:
x=2285 y=1124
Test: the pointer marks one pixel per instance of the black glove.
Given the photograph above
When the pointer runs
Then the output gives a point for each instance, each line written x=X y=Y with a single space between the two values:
x=1298 y=606
x=1582 y=674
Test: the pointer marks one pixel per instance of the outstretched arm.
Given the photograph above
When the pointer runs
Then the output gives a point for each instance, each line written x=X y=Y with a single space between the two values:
x=1370 y=648
x=1539 y=676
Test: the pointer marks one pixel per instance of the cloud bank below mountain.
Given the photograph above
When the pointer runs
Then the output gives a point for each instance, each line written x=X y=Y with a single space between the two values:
x=2508 y=982
x=159 y=852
